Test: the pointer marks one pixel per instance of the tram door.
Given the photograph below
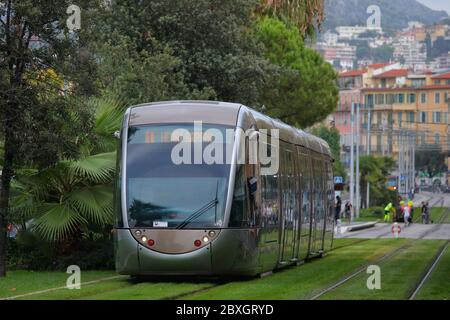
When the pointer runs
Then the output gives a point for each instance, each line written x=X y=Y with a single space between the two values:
x=304 y=167
x=287 y=206
x=318 y=224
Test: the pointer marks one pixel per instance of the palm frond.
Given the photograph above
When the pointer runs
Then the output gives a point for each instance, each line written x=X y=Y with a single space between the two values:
x=57 y=221
x=98 y=168
x=94 y=203
x=108 y=118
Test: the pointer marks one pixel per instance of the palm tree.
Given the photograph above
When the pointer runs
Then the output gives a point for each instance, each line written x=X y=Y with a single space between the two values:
x=304 y=13
x=75 y=194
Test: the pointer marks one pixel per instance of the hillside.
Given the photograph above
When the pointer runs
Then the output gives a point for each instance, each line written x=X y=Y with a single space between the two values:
x=395 y=14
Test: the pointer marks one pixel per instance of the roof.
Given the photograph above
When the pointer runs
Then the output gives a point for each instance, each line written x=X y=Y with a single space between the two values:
x=435 y=87
x=352 y=73
x=222 y=113
x=442 y=76
x=393 y=74
x=378 y=65
x=428 y=87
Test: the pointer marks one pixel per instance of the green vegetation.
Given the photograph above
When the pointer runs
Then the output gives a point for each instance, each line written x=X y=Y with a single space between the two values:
x=437 y=288
x=332 y=137
x=399 y=275
x=304 y=282
x=375 y=170
x=62 y=95
x=436 y=214
x=22 y=282
x=296 y=68
x=371 y=214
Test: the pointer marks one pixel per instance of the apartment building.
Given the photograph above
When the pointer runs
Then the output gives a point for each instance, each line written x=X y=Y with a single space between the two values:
x=404 y=104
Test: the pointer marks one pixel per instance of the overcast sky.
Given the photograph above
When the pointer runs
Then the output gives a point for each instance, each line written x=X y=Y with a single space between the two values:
x=437 y=4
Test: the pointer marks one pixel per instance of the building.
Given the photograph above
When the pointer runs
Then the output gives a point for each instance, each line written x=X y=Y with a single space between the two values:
x=401 y=104
x=353 y=32
x=350 y=85
x=340 y=55
x=411 y=52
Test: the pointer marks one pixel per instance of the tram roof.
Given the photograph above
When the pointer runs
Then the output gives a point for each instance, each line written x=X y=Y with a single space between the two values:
x=220 y=113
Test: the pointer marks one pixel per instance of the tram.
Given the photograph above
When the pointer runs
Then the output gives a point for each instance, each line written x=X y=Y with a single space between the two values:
x=218 y=218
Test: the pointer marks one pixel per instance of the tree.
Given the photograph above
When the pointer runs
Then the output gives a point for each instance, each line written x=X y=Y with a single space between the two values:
x=332 y=137
x=431 y=162
x=375 y=170
x=303 y=91
x=305 y=14
x=61 y=201
x=383 y=53
x=34 y=41
x=214 y=54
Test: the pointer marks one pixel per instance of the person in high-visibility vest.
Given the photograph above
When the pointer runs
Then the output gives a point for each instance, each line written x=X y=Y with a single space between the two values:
x=411 y=209
x=387 y=212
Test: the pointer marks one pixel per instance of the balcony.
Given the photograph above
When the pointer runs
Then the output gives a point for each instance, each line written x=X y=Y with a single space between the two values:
x=395 y=107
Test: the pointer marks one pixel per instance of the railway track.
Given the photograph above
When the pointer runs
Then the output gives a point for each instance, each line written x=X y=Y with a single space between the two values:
x=391 y=254
x=429 y=271
x=432 y=266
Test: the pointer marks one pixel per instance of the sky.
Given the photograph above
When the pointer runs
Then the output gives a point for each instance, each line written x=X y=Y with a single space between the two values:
x=437 y=4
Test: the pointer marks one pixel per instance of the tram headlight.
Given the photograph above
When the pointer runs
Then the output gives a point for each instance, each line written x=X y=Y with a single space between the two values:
x=197 y=243
x=212 y=233
x=144 y=239
x=138 y=233
x=205 y=239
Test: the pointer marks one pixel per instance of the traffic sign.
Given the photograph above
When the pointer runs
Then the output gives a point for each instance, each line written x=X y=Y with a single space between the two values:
x=338 y=180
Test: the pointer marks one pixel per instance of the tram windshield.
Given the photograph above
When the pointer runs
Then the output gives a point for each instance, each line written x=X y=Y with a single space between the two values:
x=163 y=192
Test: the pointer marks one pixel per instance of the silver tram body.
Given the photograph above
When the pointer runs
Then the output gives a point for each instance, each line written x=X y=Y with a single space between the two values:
x=287 y=219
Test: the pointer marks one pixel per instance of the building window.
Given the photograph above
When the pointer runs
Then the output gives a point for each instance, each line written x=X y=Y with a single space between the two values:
x=423 y=117
x=379 y=99
x=437 y=97
x=412 y=98
x=400 y=116
x=410 y=116
x=369 y=100
x=446 y=97
x=437 y=138
x=447 y=81
x=390 y=98
x=437 y=81
x=436 y=117
x=401 y=98
x=423 y=97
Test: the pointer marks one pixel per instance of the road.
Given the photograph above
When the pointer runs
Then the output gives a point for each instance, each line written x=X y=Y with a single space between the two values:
x=414 y=231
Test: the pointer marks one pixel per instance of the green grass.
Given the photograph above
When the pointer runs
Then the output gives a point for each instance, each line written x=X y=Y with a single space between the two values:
x=304 y=281
x=435 y=215
x=438 y=285
x=21 y=282
x=371 y=215
x=399 y=275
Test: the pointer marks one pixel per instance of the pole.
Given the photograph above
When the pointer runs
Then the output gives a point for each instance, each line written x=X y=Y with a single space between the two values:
x=358 y=142
x=369 y=125
x=352 y=155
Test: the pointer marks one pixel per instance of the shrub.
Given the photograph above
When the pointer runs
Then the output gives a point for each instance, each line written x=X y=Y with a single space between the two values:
x=29 y=252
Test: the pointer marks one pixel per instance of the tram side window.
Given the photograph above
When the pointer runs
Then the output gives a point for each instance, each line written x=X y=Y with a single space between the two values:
x=117 y=191
x=270 y=199
x=305 y=187
x=239 y=216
